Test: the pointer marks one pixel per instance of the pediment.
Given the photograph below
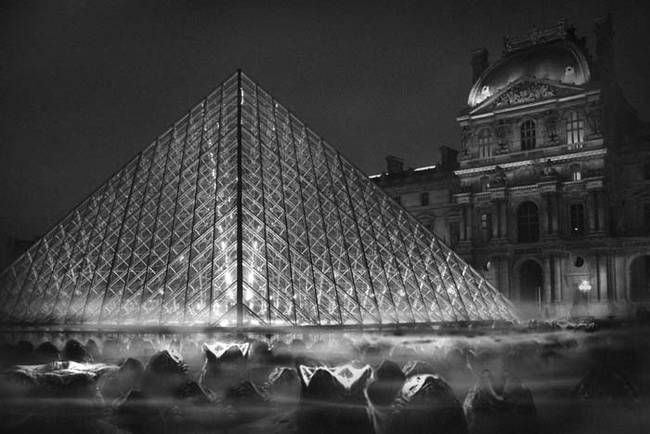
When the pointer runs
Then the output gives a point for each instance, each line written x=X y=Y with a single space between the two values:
x=525 y=91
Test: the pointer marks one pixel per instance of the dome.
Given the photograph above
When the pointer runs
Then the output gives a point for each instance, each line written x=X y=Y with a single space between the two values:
x=561 y=61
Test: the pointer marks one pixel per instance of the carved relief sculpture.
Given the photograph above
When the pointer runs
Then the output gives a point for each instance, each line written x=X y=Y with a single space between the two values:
x=525 y=92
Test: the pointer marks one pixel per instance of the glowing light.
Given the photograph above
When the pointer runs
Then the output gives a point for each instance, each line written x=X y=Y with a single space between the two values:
x=584 y=286
x=228 y=278
x=433 y=166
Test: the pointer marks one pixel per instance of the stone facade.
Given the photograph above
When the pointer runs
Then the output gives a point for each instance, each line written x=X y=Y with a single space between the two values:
x=551 y=196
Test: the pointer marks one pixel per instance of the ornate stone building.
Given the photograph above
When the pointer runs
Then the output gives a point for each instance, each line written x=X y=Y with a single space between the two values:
x=551 y=197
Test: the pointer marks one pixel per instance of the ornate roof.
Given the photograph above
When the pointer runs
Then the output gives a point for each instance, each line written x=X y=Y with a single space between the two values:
x=555 y=57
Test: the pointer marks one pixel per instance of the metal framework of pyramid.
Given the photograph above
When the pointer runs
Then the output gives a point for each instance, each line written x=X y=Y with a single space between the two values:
x=240 y=215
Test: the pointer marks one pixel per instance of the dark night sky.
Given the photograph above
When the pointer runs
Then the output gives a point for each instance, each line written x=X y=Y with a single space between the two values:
x=84 y=85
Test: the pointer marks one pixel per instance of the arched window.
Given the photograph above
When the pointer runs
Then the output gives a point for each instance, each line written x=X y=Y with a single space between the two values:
x=575 y=128
x=528 y=222
x=528 y=139
x=485 y=143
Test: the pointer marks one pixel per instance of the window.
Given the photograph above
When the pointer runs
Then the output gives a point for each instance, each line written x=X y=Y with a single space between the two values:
x=485 y=143
x=485 y=183
x=528 y=222
x=528 y=139
x=424 y=198
x=575 y=128
x=486 y=226
x=577 y=218
x=485 y=221
x=454 y=233
x=576 y=174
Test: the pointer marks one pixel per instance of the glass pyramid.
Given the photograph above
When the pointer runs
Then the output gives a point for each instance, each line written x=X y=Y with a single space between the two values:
x=240 y=215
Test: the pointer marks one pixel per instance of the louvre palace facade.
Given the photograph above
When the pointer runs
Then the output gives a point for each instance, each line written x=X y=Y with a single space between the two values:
x=549 y=195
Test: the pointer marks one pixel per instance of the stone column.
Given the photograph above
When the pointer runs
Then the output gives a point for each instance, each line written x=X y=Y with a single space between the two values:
x=621 y=290
x=590 y=213
x=503 y=220
x=547 y=280
x=463 y=224
x=556 y=212
x=557 y=273
x=602 y=206
x=549 y=213
x=495 y=220
x=602 y=277
x=468 y=220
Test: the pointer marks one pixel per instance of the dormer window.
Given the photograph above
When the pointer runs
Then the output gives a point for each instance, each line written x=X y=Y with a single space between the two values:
x=528 y=138
x=569 y=75
x=485 y=143
x=575 y=128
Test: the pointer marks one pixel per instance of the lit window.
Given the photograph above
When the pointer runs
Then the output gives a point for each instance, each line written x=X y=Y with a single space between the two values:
x=577 y=218
x=485 y=143
x=576 y=174
x=486 y=226
x=528 y=222
x=528 y=139
x=575 y=128
x=424 y=198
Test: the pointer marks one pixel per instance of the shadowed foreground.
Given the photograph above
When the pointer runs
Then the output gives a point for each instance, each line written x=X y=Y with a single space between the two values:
x=567 y=381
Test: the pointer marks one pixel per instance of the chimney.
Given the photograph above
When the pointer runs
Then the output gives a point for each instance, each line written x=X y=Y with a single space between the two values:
x=448 y=159
x=479 y=63
x=394 y=165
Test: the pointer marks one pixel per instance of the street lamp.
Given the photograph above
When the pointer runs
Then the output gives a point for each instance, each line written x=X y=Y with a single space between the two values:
x=584 y=287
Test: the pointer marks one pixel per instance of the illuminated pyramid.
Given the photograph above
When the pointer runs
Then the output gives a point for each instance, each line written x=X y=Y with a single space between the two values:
x=240 y=215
